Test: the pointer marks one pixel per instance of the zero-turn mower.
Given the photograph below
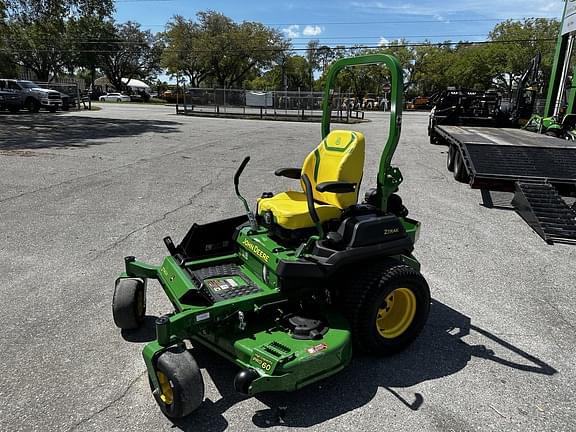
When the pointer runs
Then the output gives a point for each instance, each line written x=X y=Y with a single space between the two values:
x=287 y=292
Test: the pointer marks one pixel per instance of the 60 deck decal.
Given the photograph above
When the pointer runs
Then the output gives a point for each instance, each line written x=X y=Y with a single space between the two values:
x=262 y=362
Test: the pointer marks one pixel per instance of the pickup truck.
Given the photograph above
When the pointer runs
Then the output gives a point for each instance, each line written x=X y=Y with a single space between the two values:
x=10 y=101
x=32 y=95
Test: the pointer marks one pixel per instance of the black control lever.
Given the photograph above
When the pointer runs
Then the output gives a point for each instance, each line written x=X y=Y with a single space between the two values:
x=249 y=213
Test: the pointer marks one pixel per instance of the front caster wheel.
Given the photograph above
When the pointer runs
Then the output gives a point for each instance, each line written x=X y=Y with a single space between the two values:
x=129 y=303
x=387 y=305
x=181 y=384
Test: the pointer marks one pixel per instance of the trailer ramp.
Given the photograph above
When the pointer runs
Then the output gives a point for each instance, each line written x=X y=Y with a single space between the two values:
x=540 y=205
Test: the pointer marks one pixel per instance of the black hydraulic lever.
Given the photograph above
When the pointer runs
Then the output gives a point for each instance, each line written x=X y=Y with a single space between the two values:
x=251 y=217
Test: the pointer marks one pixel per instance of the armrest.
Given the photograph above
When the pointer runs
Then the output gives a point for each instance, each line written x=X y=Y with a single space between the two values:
x=336 y=187
x=293 y=173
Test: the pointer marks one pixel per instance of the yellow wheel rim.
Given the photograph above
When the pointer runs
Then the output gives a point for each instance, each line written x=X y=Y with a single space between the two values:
x=166 y=393
x=396 y=314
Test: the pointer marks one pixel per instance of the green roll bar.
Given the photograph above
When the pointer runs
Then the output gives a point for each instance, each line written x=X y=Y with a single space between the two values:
x=389 y=178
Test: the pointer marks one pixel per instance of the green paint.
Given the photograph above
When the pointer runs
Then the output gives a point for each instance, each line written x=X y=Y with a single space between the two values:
x=389 y=177
x=556 y=75
x=338 y=140
x=317 y=163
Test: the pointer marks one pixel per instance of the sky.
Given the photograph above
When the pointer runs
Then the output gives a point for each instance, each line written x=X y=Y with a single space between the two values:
x=348 y=22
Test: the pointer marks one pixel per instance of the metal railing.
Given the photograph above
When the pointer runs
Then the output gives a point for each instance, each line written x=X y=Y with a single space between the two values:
x=295 y=105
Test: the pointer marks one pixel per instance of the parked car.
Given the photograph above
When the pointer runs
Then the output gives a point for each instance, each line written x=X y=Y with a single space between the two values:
x=10 y=101
x=114 y=97
x=32 y=95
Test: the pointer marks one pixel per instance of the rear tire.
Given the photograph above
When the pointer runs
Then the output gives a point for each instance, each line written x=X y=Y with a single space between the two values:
x=387 y=305
x=14 y=110
x=32 y=105
x=460 y=171
x=181 y=383
x=450 y=157
x=129 y=303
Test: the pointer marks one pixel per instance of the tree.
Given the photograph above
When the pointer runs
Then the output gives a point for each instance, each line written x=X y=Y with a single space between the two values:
x=232 y=51
x=183 y=41
x=91 y=37
x=293 y=71
x=312 y=57
x=325 y=55
x=133 y=54
x=7 y=67
x=38 y=32
x=509 y=59
x=430 y=68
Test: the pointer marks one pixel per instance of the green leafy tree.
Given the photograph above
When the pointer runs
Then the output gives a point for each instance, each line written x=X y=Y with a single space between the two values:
x=38 y=32
x=293 y=71
x=232 y=51
x=470 y=67
x=90 y=39
x=7 y=66
x=430 y=66
x=509 y=59
x=135 y=54
x=183 y=41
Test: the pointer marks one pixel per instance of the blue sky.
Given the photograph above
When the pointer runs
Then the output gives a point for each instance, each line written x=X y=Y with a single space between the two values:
x=352 y=21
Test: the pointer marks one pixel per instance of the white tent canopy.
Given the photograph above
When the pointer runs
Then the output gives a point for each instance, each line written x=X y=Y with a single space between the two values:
x=134 y=84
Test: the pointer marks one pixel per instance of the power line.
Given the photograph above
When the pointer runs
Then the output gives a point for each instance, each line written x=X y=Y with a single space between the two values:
x=446 y=21
x=392 y=38
x=219 y=51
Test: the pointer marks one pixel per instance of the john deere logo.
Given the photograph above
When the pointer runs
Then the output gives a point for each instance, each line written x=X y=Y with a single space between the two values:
x=256 y=250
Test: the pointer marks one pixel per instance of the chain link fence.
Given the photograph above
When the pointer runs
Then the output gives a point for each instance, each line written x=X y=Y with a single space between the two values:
x=281 y=105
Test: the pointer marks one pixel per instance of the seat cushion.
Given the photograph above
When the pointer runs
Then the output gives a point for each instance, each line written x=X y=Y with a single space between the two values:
x=339 y=157
x=290 y=210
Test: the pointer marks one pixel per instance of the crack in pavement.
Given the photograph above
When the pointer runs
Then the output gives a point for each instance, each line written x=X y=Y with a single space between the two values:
x=108 y=405
x=163 y=217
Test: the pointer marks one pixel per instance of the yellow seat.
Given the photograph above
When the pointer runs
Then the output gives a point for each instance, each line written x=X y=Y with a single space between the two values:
x=338 y=158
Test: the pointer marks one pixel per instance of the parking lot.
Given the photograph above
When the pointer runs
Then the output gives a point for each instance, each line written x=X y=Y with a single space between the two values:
x=79 y=191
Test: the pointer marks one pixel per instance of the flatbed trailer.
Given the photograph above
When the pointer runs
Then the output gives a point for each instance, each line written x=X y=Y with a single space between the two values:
x=539 y=169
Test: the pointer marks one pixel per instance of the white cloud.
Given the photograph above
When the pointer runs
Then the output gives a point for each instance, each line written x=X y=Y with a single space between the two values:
x=383 y=42
x=310 y=30
x=292 y=31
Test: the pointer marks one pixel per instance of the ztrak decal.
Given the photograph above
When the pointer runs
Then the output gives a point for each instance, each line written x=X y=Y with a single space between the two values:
x=389 y=231
x=256 y=250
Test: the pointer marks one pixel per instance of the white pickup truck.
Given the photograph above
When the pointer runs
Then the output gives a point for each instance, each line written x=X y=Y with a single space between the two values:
x=32 y=95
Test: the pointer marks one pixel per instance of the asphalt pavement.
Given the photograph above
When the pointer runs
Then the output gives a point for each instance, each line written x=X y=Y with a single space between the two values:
x=79 y=191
